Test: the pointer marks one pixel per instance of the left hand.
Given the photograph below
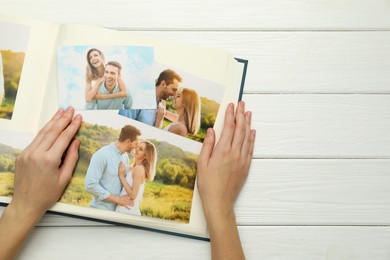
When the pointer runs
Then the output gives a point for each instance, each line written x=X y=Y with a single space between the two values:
x=122 y=169
x=45 y=167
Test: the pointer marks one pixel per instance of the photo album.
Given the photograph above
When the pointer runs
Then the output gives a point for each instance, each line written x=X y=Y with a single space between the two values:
x=146 y=105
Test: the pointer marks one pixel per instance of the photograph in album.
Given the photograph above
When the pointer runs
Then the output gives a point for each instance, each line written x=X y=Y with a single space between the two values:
x=13 y=45
x=190 y=102
x=106 y=77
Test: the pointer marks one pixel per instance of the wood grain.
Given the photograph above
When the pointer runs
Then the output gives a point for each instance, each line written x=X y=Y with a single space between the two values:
x=321 y=126
x=303 y=62
x=211 y=15
x=358 y=243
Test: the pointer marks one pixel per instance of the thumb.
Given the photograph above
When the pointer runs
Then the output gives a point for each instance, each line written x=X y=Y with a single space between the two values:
x=207 y=148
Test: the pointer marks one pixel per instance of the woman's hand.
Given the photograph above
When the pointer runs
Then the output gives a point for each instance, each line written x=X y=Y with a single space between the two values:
x=99 y=81
x=122 y=170
x=222 y=172
x=45 y=167
x=42 y=172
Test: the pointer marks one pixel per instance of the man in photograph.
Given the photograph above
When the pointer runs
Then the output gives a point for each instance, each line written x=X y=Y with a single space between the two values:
x=110 y=85
x=166 y=86
x=102 y=179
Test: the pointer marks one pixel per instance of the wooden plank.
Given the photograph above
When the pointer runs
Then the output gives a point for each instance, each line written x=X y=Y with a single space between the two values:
x=304 y=192
x=316 y=192
x=211 y=15
x=258 y=242
x=321 y=126
x=303 y=62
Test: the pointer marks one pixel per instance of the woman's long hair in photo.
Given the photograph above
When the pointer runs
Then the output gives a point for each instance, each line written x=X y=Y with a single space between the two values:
x=150 y=161
x=191 y=103
x=91 y=72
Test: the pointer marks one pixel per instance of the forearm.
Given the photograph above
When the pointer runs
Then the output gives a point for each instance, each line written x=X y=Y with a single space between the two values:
x=112 y=198
x=95 y=189
x=171 y=116
x=159 y=121
x=224 y=237
x=91 y=94
x=15 y=225
x=126 y=186
x=110 y=96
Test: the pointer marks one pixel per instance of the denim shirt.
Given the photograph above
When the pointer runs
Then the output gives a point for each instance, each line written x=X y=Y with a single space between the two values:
x=147 y=116
x=102 y=176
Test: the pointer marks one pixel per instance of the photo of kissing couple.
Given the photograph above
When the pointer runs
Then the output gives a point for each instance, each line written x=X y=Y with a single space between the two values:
x=126 y=166
x=114 y=182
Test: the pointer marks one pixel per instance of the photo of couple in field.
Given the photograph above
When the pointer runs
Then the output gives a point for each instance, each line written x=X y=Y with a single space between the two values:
x=13 y=46
x=130 y=167
x=127 y=79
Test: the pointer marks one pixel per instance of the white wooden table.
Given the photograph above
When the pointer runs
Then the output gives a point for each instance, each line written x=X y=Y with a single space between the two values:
x=318 y=84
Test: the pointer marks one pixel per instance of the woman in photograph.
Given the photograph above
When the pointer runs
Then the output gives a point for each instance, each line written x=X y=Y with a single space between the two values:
x=187 y=105
x=142 y=170
x=95 y=77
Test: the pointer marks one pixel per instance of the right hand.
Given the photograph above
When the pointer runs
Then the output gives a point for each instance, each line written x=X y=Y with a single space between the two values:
x=223 y=170
x=160 y=112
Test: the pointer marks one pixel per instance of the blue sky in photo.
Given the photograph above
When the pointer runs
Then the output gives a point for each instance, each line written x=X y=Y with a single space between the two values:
x=137 y=73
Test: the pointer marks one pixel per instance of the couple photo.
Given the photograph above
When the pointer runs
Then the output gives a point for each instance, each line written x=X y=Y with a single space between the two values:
x=105 y=77
x=186 y=105
x=126 y=166
x=104 y=87
x=114 y=182
x=13 y=47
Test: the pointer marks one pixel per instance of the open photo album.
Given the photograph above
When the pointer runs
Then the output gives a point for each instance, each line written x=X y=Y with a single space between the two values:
x=146 y=105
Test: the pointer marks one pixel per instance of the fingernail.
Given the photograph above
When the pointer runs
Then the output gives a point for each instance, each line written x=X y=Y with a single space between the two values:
x=59 y=112
x=253 y=132
x=69 y=110
x=248 y=115
x=78 y=117
x=242 y=104
x=209 y=132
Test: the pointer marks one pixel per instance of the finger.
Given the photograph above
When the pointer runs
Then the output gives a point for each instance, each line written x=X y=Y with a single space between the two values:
x=66 y=137
x=70 y=161
x=207 y=148
x=228 y=127
x=240 y=131
x=251 y=148
x=247 y=139
x=52 y=130
x=40 y=136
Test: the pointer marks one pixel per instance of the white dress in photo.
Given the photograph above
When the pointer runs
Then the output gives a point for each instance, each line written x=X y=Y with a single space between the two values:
x=135 y=210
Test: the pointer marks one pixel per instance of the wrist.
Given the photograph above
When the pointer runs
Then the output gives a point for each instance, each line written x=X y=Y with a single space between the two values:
x=23 y=215
x=218 y=219
x=221 y=226
x=27 y=208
